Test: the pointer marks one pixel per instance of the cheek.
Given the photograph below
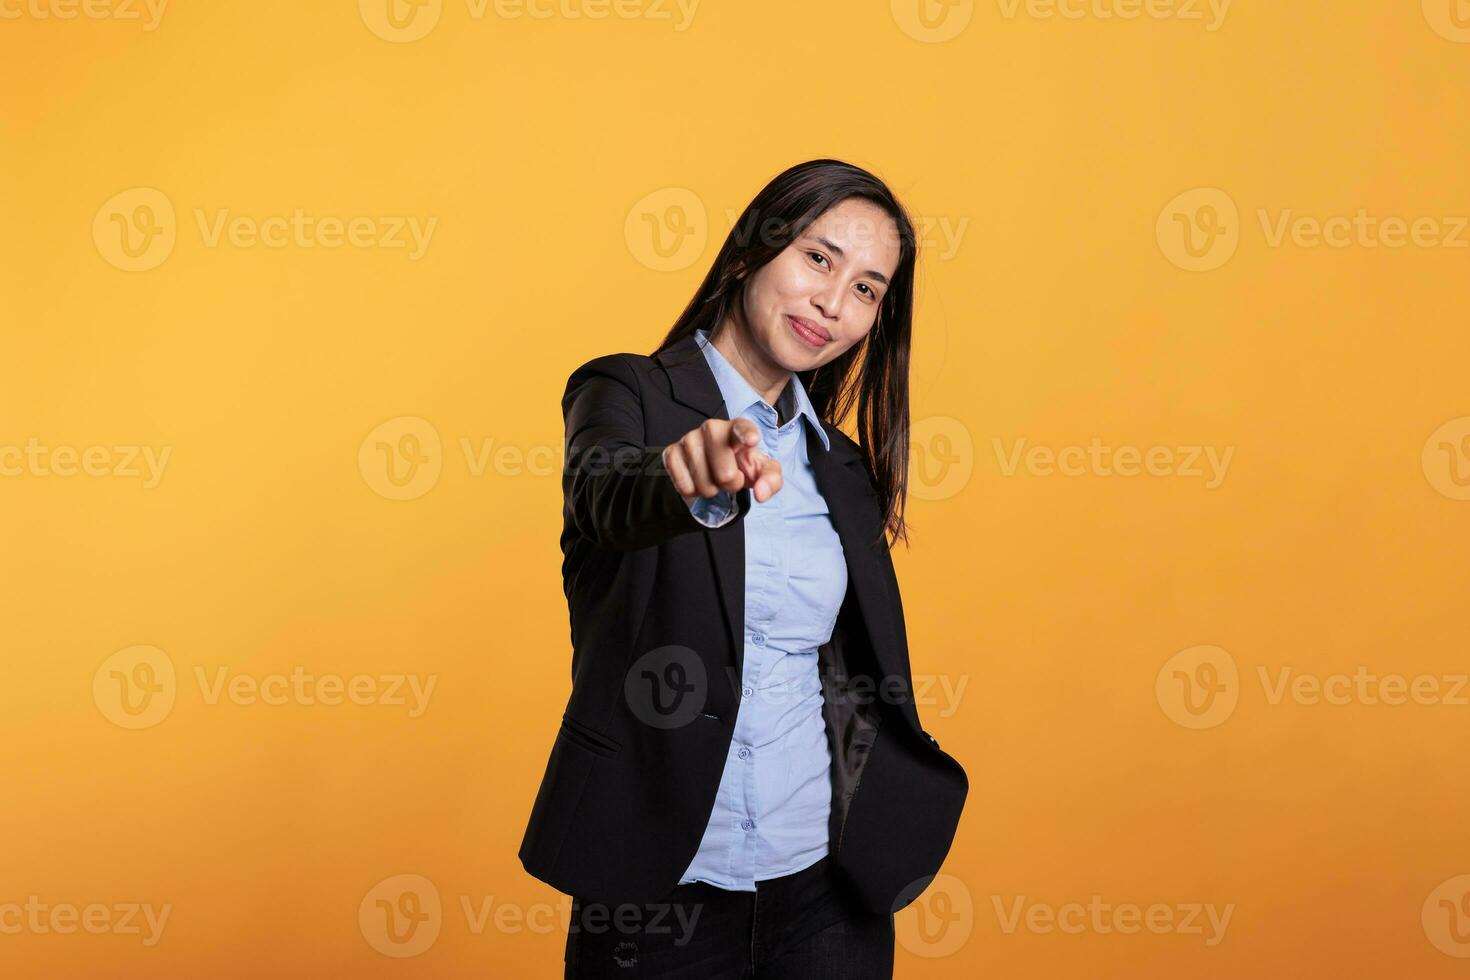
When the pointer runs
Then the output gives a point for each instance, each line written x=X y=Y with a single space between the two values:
x=772 y=291
x=791 y=280
x=870 y=317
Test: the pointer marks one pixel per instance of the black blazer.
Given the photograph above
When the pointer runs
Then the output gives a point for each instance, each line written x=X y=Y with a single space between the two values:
x=657 y=610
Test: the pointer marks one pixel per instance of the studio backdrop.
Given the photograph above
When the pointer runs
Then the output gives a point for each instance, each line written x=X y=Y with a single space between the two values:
x=289 y=295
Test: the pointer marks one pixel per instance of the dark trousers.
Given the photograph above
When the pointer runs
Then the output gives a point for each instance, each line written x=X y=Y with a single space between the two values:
x=801 y=926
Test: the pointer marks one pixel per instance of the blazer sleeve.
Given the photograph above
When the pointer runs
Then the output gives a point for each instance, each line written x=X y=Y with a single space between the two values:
x=616 y=487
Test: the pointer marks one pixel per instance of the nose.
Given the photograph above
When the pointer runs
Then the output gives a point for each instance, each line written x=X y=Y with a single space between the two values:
x=829 y=301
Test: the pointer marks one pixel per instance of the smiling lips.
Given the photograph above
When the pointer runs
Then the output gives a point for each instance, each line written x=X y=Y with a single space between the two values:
x=808 y=331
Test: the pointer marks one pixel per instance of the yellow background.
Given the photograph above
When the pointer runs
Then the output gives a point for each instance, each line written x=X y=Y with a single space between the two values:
x=1055 y=144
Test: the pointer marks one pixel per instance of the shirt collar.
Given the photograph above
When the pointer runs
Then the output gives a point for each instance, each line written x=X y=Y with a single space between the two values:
x=739 y=395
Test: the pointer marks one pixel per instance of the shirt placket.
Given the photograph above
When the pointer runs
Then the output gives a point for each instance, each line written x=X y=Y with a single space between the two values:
x=766 y=581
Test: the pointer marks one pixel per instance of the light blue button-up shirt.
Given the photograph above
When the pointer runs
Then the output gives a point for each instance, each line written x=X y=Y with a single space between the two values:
x=771 y=812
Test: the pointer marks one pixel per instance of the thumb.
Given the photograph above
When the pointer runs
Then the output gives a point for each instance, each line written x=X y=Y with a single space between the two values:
x=750 y=462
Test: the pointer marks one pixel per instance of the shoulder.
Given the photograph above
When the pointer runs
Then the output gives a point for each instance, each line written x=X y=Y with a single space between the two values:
x=625 y=368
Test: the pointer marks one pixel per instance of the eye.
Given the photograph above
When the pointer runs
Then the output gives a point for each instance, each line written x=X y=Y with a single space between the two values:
x=818 y=255
x=868 y=288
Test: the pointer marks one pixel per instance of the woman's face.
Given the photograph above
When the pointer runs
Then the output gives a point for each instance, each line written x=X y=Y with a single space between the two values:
x=822 y=293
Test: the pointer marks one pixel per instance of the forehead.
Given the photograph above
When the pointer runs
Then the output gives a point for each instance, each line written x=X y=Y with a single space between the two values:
x=863 y=231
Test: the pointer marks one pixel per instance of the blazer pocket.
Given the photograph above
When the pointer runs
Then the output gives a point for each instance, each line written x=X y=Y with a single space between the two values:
x=587 y=737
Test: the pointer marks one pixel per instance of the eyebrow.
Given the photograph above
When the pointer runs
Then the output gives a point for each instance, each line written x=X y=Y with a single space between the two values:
x=874 y=273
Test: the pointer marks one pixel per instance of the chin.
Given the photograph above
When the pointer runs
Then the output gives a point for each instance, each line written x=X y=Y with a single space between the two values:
x=791 y=353
x=802 y=358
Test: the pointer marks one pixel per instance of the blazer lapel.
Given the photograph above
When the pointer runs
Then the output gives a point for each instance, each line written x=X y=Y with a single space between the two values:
x=843 y=482
x=839 y=476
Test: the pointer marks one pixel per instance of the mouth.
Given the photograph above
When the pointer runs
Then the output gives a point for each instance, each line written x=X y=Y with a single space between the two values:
x=810 y=333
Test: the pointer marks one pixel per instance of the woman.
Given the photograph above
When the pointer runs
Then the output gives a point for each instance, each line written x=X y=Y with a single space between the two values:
x=740 y=786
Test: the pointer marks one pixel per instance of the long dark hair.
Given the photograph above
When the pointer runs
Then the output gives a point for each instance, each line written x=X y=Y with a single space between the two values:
x=880 y=381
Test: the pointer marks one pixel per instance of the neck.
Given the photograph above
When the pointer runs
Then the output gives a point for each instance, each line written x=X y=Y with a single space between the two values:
x=768 y=378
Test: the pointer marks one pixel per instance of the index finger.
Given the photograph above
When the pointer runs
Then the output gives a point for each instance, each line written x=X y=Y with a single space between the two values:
x=743 y=432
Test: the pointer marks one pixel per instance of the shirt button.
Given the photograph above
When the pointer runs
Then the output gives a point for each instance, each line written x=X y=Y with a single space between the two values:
x=758 y=638
x=747 y=824
x=747 y=691
x=744 y=753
